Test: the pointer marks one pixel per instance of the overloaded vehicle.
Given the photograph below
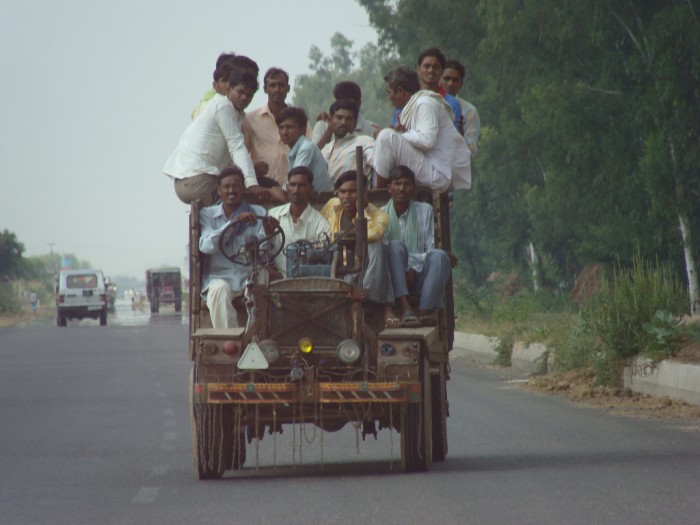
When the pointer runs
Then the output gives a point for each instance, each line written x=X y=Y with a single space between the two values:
x=164 y=286
x=310 y=349
x=81 y=294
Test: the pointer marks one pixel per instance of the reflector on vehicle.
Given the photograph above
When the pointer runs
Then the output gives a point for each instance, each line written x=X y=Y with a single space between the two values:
x=252 y=358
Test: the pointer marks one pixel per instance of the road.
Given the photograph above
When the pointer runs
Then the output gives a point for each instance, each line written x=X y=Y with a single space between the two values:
x=94 y=429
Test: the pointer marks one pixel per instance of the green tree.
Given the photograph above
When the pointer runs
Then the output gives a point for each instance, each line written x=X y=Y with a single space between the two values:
x=590 y=119
x=10 y=255
x=314 y=91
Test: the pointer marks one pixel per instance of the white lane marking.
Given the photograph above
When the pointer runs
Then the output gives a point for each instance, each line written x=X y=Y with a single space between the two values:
x=168 y=412
x=170 y=436
x=146 y=495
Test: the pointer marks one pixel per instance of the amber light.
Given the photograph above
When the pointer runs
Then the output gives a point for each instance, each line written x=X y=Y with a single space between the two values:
x=306 y=346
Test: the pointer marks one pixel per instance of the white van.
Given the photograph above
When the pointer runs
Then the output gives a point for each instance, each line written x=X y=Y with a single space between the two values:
x=81 y=294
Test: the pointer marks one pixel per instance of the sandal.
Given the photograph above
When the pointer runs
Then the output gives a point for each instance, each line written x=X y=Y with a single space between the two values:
x=392 y=322
x=409 y=320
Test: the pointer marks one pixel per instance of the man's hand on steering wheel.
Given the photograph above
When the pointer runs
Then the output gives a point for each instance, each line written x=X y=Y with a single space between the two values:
x=270 y=224
x=246 y=216
x=272 y=229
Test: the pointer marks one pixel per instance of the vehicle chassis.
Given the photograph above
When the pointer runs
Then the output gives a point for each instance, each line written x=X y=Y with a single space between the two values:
x=398 y=383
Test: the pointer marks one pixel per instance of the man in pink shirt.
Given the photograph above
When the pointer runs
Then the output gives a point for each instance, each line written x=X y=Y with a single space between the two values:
x=262 y=138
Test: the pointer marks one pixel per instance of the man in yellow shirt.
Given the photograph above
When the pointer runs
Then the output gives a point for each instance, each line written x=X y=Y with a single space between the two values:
x=340 y=212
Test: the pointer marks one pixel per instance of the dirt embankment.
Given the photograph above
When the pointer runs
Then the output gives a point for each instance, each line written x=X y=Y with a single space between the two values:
x=580 y=386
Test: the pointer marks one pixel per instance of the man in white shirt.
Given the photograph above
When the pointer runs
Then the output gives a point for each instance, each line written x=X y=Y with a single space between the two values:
x=424 y=139
x=214 y=141
x=340 y=152
x=323 y=130
x=298 y=219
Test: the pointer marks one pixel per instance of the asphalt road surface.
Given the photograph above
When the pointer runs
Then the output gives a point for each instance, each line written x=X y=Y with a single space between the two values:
x=94 y=429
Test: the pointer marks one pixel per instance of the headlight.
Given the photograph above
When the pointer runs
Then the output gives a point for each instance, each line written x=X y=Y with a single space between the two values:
x=270 y=350
x=349 y=351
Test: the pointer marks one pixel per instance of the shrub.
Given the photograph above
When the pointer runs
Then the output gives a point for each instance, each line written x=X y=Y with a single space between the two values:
x=577 y=348
x=616 y=316
x=665 y=331
x=8 y=299
x=504 y=350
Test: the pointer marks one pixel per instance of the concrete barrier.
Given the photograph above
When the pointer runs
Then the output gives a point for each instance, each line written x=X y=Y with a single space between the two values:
x=666 y=378
x=475 y=346
x=527 y=356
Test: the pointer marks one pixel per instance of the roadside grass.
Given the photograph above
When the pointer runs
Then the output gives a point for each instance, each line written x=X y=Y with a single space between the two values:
x=24 y=316
x=638 y=312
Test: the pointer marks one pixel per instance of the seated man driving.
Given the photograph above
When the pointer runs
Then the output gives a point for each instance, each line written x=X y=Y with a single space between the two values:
x=223 y=279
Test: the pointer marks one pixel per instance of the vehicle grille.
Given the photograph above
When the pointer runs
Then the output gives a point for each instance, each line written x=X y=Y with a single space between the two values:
x=326 y=318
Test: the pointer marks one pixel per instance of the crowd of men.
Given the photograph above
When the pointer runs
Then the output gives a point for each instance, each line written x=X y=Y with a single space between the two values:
x=273 y=155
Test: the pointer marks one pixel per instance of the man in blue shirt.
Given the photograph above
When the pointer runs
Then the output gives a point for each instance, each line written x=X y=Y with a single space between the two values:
x=291 y=123
x=222 y=279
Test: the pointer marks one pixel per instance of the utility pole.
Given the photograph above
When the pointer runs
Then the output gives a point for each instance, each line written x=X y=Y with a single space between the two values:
x=51 y=245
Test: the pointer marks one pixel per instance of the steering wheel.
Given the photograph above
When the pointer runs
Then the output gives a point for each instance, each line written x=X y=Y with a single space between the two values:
x=252 y=244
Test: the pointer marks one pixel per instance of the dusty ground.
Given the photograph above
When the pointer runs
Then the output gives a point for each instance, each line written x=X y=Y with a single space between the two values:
x=689 y=353
x=579 y=386
x=26 y=316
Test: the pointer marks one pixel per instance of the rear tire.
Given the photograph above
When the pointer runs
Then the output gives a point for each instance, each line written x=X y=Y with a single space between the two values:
x=416 y=428
x=178 y=306
x=61 y=319
x=438 y=386
x=154 y=306
x=103 y=318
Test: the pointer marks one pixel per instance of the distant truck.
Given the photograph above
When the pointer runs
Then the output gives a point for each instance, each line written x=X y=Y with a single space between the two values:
x=312 y=349
x=164 y=286
x=81 y=294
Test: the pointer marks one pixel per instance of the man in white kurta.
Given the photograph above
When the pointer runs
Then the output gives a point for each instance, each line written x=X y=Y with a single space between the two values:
x=425 y=138
x=340 y=152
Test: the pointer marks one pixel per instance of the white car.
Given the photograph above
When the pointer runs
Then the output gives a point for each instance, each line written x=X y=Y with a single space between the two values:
x=81 y=294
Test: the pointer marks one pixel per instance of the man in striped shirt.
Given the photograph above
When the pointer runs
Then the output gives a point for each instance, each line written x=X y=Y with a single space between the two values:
x=340 y=152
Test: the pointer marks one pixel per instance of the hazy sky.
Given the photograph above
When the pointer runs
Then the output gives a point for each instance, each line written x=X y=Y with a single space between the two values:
x=95 y=95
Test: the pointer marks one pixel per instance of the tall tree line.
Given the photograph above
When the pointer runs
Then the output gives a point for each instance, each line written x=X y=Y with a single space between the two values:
x=590 y=146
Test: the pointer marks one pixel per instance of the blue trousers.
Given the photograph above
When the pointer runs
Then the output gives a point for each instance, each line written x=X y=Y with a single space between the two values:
x=431 y=281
